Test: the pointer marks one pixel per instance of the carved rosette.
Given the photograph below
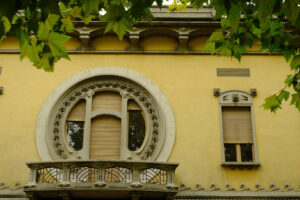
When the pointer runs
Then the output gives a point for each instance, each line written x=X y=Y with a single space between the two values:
x=155 y=137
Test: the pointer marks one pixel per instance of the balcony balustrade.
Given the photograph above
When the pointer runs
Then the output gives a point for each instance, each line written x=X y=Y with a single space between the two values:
x=48 y=179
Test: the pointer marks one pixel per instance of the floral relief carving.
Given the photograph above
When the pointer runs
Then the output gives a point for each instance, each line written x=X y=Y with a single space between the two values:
x=87 y=90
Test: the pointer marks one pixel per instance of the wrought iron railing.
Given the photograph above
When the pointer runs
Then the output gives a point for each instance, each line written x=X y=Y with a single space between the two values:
x=101 y=173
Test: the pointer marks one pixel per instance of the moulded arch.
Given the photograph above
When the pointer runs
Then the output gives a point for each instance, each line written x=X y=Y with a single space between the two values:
x=50 y=103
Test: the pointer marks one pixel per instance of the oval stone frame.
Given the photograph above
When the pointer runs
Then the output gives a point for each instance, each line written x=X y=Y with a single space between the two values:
x=131 y=85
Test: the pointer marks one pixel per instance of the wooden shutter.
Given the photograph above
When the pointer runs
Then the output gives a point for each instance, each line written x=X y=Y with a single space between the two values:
x=132 y=105
x=105 y=138
x=78 y=112
x=107 y=101
x=237 y=125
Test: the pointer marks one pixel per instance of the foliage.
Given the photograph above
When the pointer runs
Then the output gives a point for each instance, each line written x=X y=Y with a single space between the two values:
x=75 y=134
x=42 y=27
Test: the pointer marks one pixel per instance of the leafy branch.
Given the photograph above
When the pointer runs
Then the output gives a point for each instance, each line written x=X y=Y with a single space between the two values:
x=42 y=27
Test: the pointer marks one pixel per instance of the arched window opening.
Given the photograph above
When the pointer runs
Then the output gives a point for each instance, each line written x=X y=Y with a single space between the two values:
x=75 y=126
x=74 y=121
x=136 y=126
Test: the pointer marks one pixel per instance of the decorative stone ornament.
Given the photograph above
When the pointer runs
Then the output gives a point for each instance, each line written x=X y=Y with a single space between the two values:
x=234 y=96
x=160 y=132
x=86 y=91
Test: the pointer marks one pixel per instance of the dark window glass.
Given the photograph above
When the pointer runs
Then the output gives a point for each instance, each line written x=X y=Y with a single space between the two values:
x=75 y=134
x=246 y=151
x=230 y=152
x=136 y=130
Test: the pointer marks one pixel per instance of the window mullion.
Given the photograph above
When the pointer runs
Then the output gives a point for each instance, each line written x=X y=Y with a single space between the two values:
x=87 y=128
x=238 y=153
x=124 y=152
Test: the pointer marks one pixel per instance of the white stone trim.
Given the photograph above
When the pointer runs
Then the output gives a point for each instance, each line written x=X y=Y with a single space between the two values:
x=161 y=100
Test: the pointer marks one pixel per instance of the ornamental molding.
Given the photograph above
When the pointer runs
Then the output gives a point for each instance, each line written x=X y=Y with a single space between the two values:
x=160 y=135
x=85 y=91
x=235 y=97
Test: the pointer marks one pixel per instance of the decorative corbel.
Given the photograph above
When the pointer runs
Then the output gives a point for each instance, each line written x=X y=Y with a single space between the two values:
x=134 y=38
x=273 y=187
x=183 y=38
x=3 y=186
x=213 y=187
x=228 y=187
x=287 y=187
x=84 y=36
x=253 y=92
x=183 y=187
x=198 y=187
x=258 y=187
x=243 y=187
x=183 y=41
x=217 y=92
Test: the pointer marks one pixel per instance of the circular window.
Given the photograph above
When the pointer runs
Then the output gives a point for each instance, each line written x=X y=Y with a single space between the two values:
x=111 y=113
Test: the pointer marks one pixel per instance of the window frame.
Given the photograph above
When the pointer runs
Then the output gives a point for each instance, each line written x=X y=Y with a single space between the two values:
x=46 y=142
x=87 y=94
x=237 y=98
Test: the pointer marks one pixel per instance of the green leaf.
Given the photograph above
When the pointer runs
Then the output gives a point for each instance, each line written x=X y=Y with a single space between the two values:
x=272 y=103
x=5 y=26
x=283 y=95
x=249 y=39
x=220 y=8
x=46 y=28
x=67 y=25
x=198 y=3
x=292 y=11
x=296 y=62
x=109 y=26
x=6 y=23
x=90 y=6
x=296 y=100
x=88 y=19
x=237 y=51
x=76 y=11
x=289 y=80
x=210 y=46
x=120 y=28
x=234 y=15
x=56 y=43
x=217 y=35
x=159 y=3
x=49 y=7
x=265 y=8
x=23 y=40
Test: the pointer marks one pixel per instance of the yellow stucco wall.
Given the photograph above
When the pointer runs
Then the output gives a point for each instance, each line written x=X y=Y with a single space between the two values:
x=188 y=82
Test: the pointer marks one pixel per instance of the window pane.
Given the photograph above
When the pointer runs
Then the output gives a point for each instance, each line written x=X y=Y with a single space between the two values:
x=246 y=151
x=230 y=152
x=75 y=134
x=78 y=111
x=136 y=130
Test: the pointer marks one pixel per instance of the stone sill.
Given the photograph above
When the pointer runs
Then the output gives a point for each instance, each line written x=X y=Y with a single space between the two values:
x=241 y=165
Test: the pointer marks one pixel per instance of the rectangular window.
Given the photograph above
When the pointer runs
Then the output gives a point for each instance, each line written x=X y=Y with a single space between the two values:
x=237 y=134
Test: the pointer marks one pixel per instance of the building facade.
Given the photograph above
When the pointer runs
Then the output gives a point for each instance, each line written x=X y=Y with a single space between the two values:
x=149 y=117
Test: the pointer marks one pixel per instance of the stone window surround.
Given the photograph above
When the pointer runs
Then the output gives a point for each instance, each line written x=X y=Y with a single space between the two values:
x=166 y=115
x=239 y=98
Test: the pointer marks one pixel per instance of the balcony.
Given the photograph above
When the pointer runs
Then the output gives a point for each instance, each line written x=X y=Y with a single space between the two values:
x=101 y=179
